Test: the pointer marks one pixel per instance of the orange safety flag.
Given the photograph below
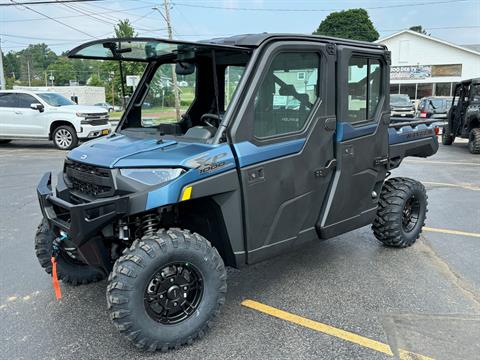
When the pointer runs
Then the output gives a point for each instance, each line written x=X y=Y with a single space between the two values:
x=56 y=285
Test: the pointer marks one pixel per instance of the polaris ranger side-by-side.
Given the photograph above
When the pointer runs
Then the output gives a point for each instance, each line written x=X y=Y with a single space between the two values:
x=464 y=115
x=297 y=146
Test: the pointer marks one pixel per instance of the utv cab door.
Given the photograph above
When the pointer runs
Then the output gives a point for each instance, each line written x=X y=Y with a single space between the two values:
x=284 y=144
x=363 y=116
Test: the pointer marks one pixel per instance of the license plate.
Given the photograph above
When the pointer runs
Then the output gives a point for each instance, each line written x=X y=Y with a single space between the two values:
x=105 y=132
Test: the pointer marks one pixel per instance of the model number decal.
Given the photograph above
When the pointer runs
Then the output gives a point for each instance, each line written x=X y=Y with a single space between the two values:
x=207 y=164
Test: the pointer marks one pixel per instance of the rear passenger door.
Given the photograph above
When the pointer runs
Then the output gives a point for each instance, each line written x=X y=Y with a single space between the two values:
x=363 y=117
x=283 y=142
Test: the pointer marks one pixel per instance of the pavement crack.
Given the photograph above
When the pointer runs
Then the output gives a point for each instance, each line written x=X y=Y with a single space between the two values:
x=445 y=269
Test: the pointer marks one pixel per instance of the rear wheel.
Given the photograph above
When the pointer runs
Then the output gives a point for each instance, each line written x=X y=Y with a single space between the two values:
x=69 y=269
x=401 y=212
x=65 y=137
x=447 y=137
x=474 y=141
x=166 y=290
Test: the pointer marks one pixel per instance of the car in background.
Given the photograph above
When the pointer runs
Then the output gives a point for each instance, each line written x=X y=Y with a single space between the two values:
x=435 y=107
x=106 y=106
x=48 y=115
x=401 y=106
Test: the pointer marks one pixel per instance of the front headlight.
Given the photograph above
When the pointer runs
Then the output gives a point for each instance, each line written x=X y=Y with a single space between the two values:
x=152 y=176
x=79 y=114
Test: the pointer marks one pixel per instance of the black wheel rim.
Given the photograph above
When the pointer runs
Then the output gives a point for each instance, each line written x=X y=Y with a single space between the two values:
x=411 y=214
x=173 y=293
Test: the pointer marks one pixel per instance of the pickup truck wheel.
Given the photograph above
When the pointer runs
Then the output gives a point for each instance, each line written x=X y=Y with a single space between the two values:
x=447 y=137
x=166 y=289
x=474 y=141
x=4 y=141
x=69 y=270
x=401 y=212
x=65 y=137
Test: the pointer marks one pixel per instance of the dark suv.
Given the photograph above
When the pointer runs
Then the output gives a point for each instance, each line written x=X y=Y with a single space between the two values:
x=434 y=107
x=401 y=106
x=464 y=115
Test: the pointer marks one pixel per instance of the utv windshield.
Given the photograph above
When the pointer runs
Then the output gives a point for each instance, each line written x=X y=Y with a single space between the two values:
x=186 y=87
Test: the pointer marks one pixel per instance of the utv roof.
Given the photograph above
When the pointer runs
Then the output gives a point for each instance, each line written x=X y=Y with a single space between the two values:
x=147 y=49
x=255 y=40
x=471 y=81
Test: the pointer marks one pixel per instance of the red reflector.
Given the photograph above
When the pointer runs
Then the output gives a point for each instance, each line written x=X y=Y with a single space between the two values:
x=423 y=115
x=437 y=130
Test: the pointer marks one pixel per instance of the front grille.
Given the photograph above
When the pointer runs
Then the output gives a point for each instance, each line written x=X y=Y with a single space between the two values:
x=97 y=119
x=88 y=180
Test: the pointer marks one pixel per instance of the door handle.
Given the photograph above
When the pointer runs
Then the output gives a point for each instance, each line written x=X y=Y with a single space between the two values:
x=324 y=170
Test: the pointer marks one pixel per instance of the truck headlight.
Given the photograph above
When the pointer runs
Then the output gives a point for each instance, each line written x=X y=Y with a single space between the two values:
x=79 y=114
x=152 y=176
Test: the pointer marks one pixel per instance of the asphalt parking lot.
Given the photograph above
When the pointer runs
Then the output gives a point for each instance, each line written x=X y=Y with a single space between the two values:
x=345 y=298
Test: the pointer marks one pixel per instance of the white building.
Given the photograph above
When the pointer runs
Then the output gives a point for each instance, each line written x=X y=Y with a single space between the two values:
x=86 y=95
x=423 y=65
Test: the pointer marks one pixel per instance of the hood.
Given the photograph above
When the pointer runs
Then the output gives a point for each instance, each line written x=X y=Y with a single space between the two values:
x=83 y=109
x=117 y=151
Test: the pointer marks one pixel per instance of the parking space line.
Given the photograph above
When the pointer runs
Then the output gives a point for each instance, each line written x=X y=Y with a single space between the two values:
x=463 y=186
x=451 y=232
x=330 y=330
x=442 y=162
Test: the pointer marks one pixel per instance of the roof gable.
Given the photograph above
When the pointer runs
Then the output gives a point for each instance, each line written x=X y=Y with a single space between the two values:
x=431 y=38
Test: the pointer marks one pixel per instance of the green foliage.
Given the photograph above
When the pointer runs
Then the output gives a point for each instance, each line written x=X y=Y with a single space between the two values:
x=124 y=29
x=95 y=81
x=62 y=70
x=348 y=24
x=419 y=29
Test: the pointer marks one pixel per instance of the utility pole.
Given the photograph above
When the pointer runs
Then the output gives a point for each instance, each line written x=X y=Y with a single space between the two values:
x=170 y=36
x=2 y=75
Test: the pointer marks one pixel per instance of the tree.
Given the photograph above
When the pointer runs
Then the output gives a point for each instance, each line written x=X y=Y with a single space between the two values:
x=349 y=24
x=62 y=70
x=124 y=29
x=419 y=29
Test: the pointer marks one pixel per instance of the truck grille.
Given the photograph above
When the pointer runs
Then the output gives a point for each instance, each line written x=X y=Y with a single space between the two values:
x=97 y=119
x=88 y=180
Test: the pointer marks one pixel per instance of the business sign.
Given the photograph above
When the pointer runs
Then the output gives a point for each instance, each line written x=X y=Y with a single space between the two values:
x=424 y=71
x=132 y=80
x=410 y=72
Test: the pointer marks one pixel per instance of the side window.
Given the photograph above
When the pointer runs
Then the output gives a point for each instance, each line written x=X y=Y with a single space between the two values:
x=159 y=104
x=287 y=94
x=364 y=89
x=233 y=74
x=8 y=100
x=25 y=100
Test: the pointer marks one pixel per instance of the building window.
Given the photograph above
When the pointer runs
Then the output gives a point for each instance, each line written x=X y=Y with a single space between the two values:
x=394 y=89
x=285 y=98
x=443 y=89
x=424 y=90
x=409 y=89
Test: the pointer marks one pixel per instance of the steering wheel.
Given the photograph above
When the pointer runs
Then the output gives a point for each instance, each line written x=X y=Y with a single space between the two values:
x=205 y=117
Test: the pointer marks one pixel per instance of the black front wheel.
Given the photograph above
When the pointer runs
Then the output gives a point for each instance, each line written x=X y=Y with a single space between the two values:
x=166 y=289
x=69 y=268
x=401 y=212
x=447 y=137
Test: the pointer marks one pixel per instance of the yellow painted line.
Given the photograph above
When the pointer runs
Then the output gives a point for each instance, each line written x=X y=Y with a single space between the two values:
x=330 y=330
x=463 y=186
x=451 y=232
x=442 y=162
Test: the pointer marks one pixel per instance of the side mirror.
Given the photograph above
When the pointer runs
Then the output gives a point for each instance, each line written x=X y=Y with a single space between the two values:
x=37 y=106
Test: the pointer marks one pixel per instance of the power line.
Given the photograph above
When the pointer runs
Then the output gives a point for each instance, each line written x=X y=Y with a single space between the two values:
x=45 y=2
x=51 y=18
x=313 y=10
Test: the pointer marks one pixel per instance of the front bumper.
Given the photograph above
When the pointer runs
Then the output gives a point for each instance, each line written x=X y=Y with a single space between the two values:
x=93 y=131
x=402 y=113
x=82 y=222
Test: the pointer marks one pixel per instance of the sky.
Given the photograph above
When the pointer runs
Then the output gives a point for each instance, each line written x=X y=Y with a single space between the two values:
x=456 y=21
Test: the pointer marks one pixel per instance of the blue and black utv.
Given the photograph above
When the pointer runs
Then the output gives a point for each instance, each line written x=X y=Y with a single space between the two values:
x=282 y=139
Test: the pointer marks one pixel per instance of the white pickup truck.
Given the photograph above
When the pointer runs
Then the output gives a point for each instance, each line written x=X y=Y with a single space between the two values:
x=48 y=115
